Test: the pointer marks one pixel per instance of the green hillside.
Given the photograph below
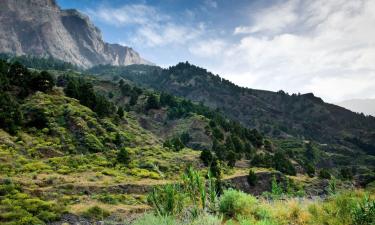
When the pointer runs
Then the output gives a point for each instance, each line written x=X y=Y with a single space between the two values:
x=77 y=146
x=348 y=138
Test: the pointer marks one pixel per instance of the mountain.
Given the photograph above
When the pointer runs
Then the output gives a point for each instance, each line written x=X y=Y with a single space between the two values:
x=366 y=106
x=277 y=114
x=40 y=28
x=78 y=148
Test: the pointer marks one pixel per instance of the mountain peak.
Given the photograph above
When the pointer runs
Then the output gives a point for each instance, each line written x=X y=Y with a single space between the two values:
x=40 y=28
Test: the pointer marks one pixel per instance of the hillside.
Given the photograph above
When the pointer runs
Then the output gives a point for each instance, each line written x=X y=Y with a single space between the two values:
x=41 y=28
x=71 y=142
x=86 y=142
x=346 y=135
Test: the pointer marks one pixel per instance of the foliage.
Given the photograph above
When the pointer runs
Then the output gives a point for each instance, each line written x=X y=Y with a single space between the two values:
x=252 y=178
x=235 y=203
x=192 y=193
x=20 y=208
x=83 y=90
x=95 y=212
x=167 y=200
x=364 y=212
x=153 y=102
x=282 y=164
x=324 y=174
x=10 y=113
x=120 y=112
x=174 y=143
x=123 y=156
x=206 y=157
x=310 y=169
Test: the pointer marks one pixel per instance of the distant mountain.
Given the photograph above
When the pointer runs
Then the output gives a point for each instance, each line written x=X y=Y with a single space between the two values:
x=41 y=28
x=366 y=106
x=277 y=114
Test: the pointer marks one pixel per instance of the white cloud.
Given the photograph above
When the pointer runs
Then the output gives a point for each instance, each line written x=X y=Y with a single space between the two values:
x=138 y=14
x=152 y=27
x=211 y=3
x=272 y=19
x=208 y=48
x=325 y=47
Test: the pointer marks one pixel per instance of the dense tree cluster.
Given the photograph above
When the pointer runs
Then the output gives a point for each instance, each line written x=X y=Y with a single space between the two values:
x=83 y=90
x=16 y=83
x=49 y=63
x=132 y=92
x=278 y=161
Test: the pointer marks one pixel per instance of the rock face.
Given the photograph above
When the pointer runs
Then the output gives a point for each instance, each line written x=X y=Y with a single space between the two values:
x=41 y=28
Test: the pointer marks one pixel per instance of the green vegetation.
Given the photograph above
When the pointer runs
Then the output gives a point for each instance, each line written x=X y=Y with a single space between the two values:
x=102 y=149
x=182 y=204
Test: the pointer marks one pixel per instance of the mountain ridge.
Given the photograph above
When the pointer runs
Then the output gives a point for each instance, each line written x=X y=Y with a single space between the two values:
x=67 y=35
x=274 y=113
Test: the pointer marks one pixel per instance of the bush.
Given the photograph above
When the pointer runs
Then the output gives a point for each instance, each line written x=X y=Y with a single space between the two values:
x=206 y=157
x=166 y=200
x=123 y=156
x=96 y=212
x=152 y=102
x=324 y=174
x=235 y=203
x=150 y=219
x=310 y=169
x=346 y=173
x=252 y=178
x=364 y=212
x=282 y=164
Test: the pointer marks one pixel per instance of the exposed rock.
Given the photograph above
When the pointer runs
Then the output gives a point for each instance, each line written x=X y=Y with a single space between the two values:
x=41 y=28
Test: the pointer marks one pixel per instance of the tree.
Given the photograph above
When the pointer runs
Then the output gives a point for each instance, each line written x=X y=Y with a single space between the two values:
x=310 y=152
x=252 y=178
x=324 y=174
x=206 y=157
x=123 y=156
x=10 y=113
x=215 y=168
x=310 y=169
x=152 y=102
x=268 y=145
x=185 y=138
x=43 y=81
x=231 y=158
x=120 y=112
x=282 y=164
x=346 y=173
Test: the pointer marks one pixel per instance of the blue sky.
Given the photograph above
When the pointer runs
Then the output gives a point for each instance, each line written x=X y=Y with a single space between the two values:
x=321 y=46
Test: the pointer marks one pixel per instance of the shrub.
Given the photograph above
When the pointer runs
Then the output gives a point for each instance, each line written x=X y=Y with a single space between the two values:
x=282 y=164
x=364 y=212
x=166 y=200
x=152 y=102
x=252 y=178
x=346 y=173
x=123 y=156
x=96 y=212
x=310 y=169
x=276 y=189
x=324 y=174
x=150 y=219
x=206 y=157
x=235 y=203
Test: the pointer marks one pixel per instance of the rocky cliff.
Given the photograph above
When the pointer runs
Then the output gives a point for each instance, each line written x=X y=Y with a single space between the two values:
x=41 y=28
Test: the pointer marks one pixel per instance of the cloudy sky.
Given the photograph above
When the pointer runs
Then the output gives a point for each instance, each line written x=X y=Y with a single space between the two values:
x=321 y=46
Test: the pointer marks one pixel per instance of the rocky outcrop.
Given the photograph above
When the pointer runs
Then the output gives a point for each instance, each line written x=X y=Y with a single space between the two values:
x=40 y=28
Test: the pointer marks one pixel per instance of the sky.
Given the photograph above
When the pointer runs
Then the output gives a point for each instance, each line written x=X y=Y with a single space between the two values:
x=323 y=46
